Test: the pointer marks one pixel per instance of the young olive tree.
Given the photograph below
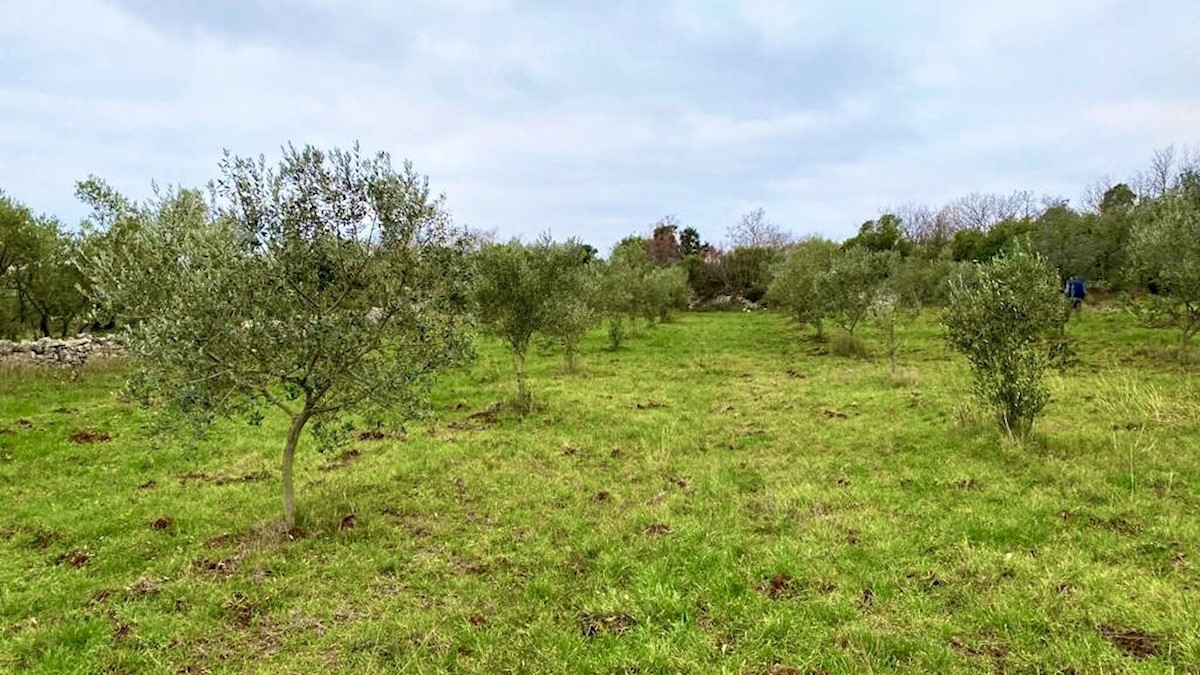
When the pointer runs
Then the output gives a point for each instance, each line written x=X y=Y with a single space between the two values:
x=1165 y=249
x=663 y=290
x=578 y=308
x=851 y=283
x=799 y=282
x=624 y=295
x=525 y=289
x=1003 y=316
x=326 y=286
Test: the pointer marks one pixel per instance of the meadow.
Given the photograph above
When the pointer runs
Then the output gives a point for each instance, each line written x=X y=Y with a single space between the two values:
x=721 y=495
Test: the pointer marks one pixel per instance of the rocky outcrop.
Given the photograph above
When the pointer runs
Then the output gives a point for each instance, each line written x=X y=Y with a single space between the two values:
x=70 y=353
x=723 y=303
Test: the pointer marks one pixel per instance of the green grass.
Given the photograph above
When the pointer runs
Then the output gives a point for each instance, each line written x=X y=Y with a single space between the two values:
x=719 y=496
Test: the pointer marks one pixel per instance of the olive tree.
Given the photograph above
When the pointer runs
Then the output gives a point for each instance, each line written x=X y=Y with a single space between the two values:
x=1165 y=249
x=522 y=290
x=662 y=291
x=578 y=301
x=326 y=286
x=39 y=280
x=798 y=283
x=851 y=283
x=624 y=293
x=1003 y=316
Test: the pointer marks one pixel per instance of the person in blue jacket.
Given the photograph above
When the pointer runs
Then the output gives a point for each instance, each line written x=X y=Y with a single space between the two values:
x=1076 y=292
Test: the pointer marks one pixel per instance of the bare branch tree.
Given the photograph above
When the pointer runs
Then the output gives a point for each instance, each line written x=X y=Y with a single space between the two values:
x=754 y=230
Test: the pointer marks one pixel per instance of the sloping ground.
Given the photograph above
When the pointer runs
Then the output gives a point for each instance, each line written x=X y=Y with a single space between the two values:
x=720 y=496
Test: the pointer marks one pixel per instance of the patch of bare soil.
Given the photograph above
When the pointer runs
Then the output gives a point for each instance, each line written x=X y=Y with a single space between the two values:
x=162 y=523
x=1116 y=524
x=867 y=600
x=239 y=610
x=380 y=435
x=121 y=630
x=193 y=476
x=346 y=458
x=219 y=541
x=142 y=587
x=997 y=653
x=778 y=586
x=251 y=477
x=221 y=478
x=42 y=538
x=649 y=405
x=222 y=568
x=73 y=558
x=488 y=417
x=657 y=530
x=602 y=496
x=834 y=414
x=927 y=580
x=476 y=619
x=681 y=483
x=90 y=437
x=1133 y=643
x=614 y=623
x=968 y=484
x=349 y=522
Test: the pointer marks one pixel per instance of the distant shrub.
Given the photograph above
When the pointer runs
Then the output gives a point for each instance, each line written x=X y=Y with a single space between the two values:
x=848 y=345
x=742 y=272
x=616 y=331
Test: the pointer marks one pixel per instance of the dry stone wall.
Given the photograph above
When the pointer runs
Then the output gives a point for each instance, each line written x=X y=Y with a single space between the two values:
x=69 y=353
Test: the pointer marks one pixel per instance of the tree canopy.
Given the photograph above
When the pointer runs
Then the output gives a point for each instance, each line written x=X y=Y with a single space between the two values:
x=327 y=285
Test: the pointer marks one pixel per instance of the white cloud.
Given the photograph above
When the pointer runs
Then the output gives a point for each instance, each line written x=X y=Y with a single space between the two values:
x=596 y=120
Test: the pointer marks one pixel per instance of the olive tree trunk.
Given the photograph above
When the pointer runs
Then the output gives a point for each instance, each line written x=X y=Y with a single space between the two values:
x=523 y=397
x=287 y=469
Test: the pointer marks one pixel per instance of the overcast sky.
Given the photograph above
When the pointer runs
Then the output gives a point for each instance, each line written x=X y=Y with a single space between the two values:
x=593 y=119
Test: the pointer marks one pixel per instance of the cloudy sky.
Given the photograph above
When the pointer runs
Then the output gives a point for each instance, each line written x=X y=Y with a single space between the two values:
x=593 y=119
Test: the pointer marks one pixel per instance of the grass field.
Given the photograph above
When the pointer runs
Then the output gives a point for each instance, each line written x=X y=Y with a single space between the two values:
x=719 y=496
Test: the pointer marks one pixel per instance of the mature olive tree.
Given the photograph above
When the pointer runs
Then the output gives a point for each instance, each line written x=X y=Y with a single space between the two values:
x=1004 y=316
x=1165 y=250
x=522 y=290
x=38 y=276
x=327 y=285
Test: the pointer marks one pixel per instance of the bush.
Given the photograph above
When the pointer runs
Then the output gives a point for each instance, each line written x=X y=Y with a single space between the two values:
x=1003 y=316
x=847 y=345
x=742 y=272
